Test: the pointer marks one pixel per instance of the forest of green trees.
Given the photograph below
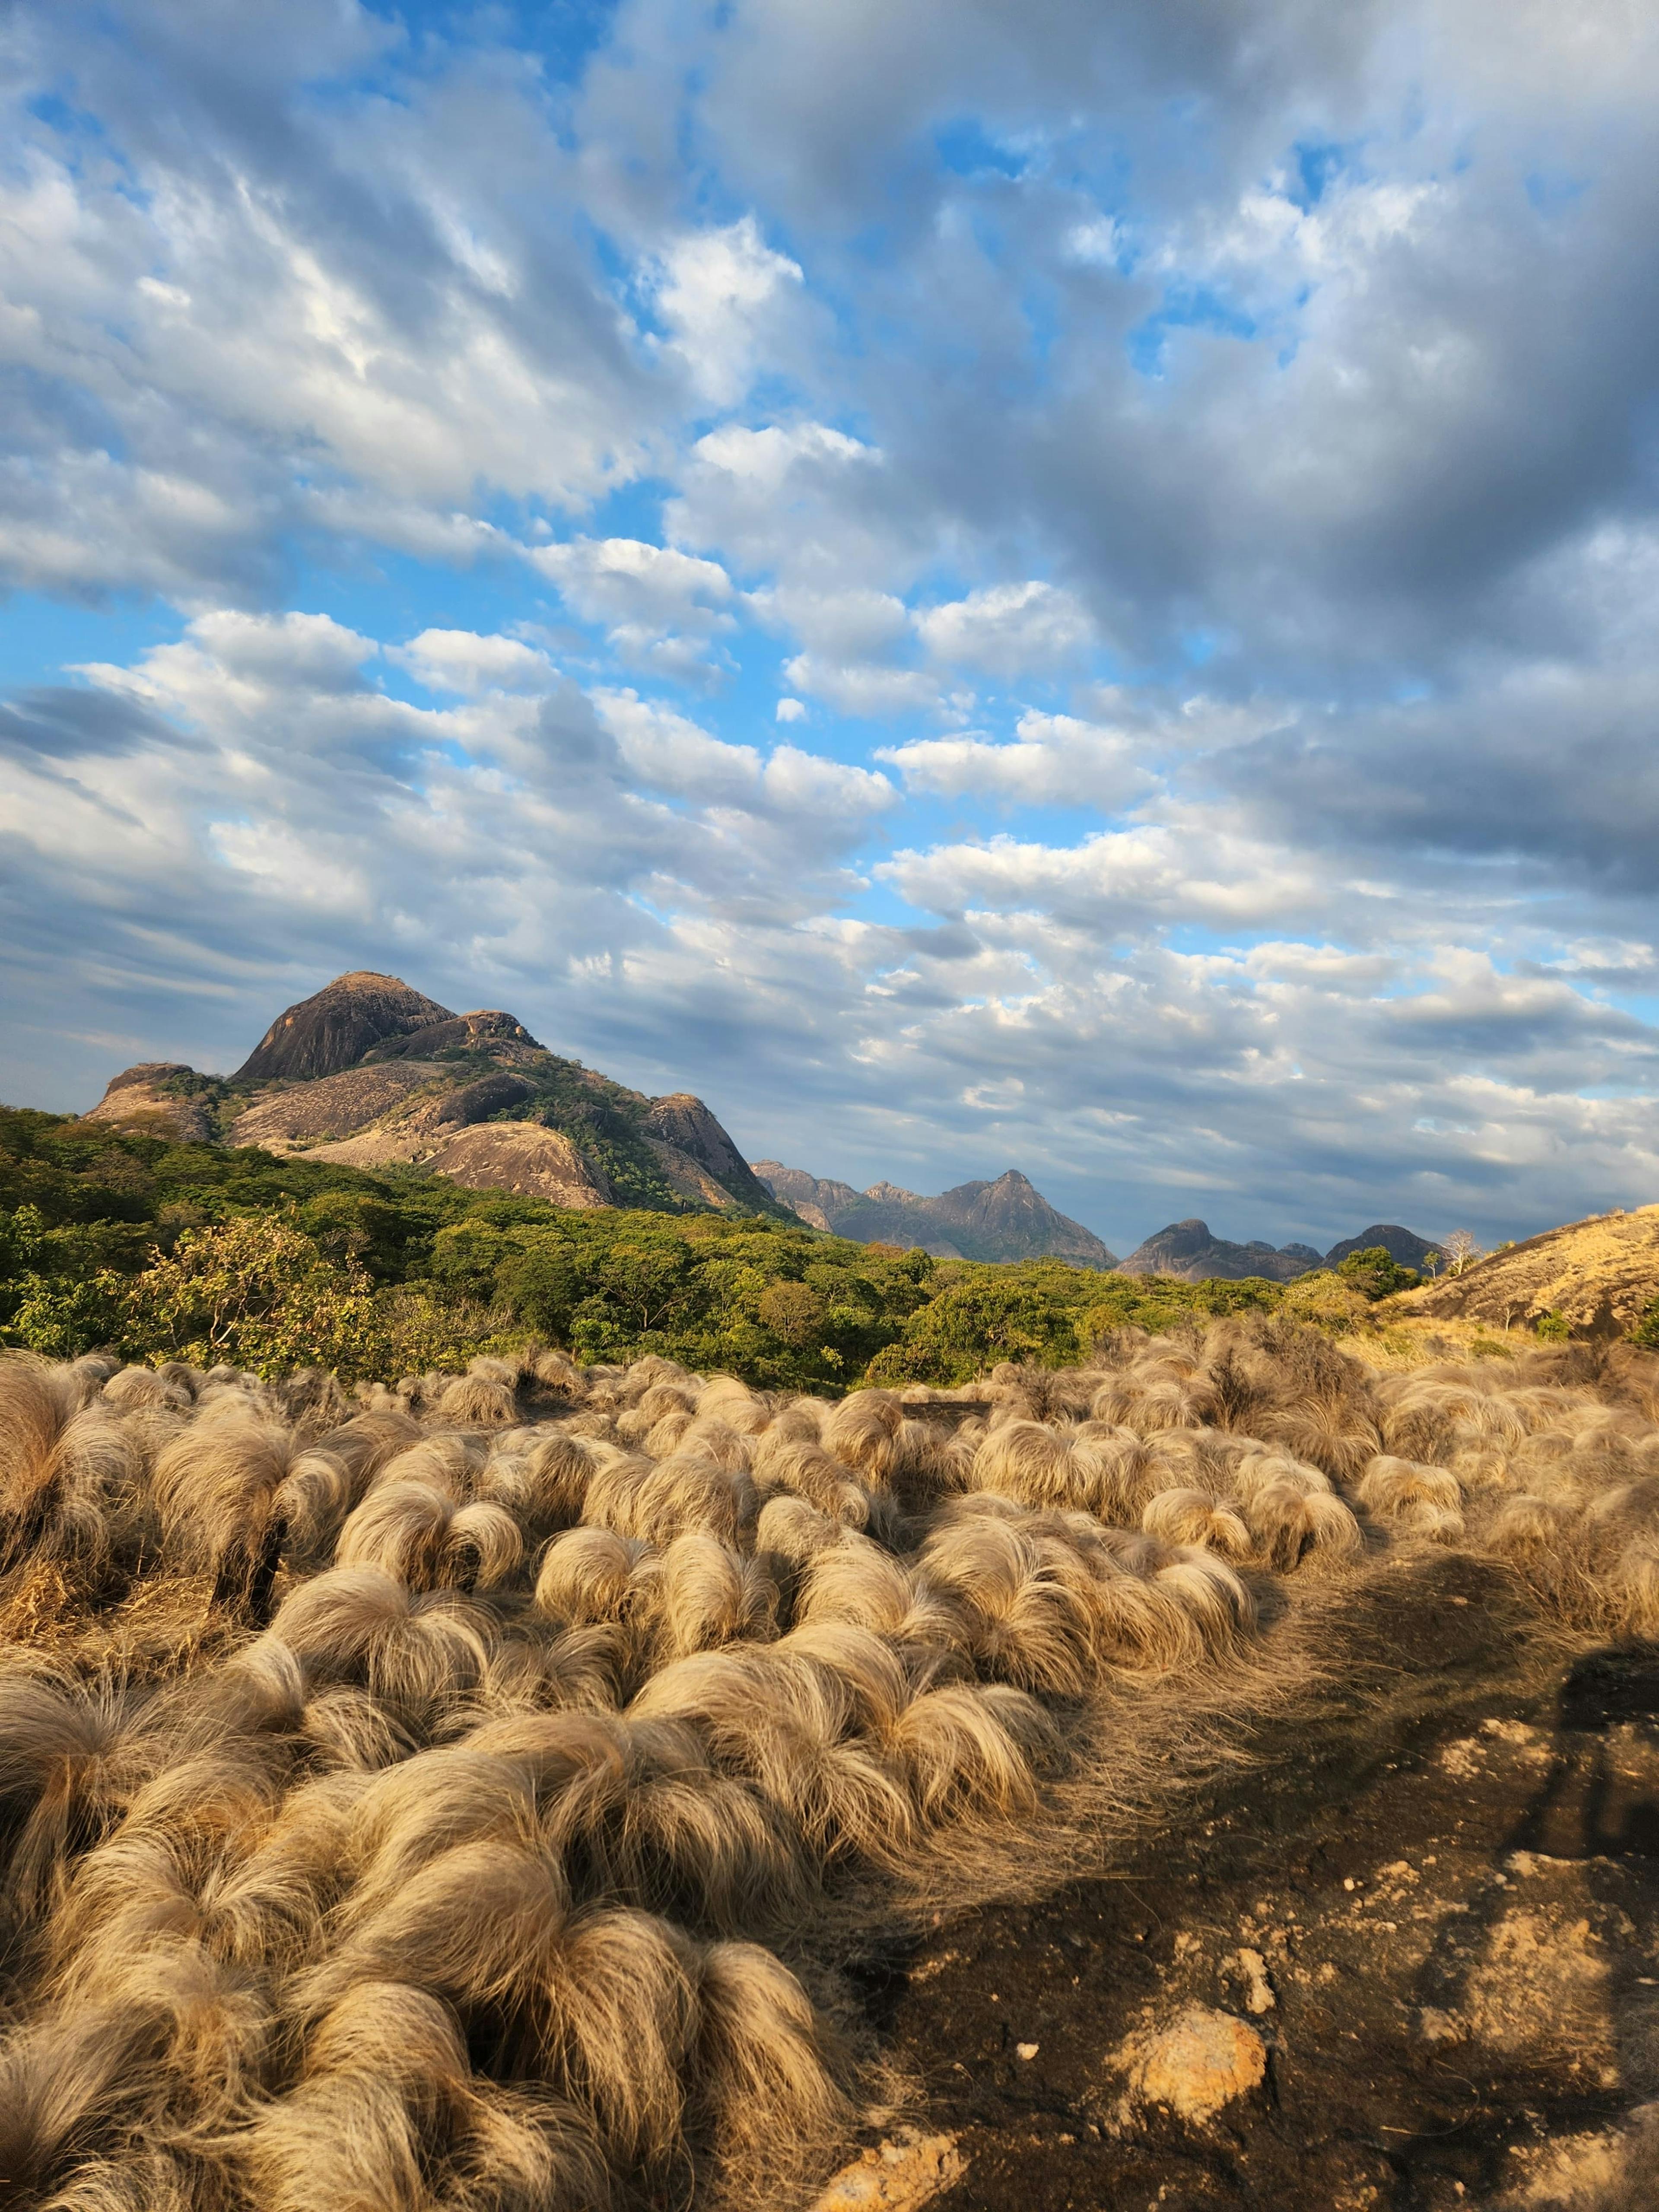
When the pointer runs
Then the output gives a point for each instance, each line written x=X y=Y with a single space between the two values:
x=161 y=1250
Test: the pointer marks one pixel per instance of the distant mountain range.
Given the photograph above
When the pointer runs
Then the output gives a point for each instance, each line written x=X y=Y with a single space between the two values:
x=1186 y=1250
x=1007 y=1219
x=373 y=1073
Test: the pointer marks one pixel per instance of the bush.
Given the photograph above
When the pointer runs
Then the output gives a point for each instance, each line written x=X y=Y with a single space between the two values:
x=1331 y=1300
x=1377 y=1273
x=256 y=1292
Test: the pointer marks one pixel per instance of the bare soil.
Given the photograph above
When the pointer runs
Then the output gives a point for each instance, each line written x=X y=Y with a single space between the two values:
x=1440 y=1918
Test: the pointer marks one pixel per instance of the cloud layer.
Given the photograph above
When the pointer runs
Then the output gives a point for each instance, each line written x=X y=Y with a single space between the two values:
x=1047 y=584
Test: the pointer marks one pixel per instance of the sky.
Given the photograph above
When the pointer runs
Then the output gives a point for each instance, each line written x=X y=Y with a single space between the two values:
x=1065 y=585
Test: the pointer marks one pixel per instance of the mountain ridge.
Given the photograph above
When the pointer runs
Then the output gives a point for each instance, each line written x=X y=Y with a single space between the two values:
x=369 y=1072
x=1189 y=1252
x=1005 y=1220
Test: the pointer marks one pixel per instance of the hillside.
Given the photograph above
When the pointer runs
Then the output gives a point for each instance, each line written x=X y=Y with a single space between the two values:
x=138 y=1241
x=1403 y=1245
x=1007 y=1219
x=369 y=1074
x=1598 y=1276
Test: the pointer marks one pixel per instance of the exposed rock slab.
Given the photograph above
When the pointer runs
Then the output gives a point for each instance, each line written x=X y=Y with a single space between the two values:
x=139 y=1098
x=690 y=1179
x=488 y=1029
x=335 y=1107
x=332 y=1030
x=519 y=1156
x=686 y=1123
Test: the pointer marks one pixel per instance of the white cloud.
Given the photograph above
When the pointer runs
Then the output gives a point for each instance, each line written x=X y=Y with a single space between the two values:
x=658 y=607
x=1335 y=396
x=463 y=660
x=1057 y=760
x=725 y=295
x=1010 y=630
x=862 y=688
x=625 y=579
x=668 y=752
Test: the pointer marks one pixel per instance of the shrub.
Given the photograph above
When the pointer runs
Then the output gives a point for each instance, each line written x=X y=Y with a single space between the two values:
x=257 y=1292
x=1377 y=1273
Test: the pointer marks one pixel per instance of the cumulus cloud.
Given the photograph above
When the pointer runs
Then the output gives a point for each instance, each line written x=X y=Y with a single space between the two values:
x=462 y=660
x=1057 y=760
x=657 y=606
x=725 y=296
x=1010 y=629
x=1210 y=440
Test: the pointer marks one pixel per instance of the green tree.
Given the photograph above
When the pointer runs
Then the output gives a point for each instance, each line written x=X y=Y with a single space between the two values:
x=991 y=1314
x=1377 y=1272
x=792 y=1311
x=541 y=1285
x=259 y=1293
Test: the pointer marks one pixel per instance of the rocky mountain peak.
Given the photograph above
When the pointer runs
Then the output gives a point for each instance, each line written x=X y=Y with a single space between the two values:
x=332 y=1030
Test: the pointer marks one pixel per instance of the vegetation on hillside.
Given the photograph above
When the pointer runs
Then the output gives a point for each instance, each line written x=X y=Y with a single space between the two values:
x=159 y=1249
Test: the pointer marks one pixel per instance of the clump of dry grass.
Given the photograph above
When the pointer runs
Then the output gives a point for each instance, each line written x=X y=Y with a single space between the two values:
x=432 y=1804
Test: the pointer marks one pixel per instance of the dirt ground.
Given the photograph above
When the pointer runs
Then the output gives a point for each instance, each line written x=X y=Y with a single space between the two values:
x=1418 y=1969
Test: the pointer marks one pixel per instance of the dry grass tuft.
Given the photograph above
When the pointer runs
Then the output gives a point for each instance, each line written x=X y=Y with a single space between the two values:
x=441 y=1805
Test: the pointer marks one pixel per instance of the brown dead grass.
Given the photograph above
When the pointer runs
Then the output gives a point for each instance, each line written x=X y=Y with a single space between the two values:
x=457 y=1809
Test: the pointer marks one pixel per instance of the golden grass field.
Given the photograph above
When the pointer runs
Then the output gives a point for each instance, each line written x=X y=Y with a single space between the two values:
x=466 y=1794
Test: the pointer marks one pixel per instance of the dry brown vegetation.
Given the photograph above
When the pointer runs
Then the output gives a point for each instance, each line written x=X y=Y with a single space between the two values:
x=461 y=1795
x=1598 y=1276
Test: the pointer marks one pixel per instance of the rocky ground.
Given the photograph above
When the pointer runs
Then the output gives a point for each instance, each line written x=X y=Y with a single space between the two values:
x=1417 y=1971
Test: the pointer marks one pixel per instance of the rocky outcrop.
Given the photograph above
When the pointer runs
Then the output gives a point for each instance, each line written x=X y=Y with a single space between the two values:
x=333 y=1029
x=371 y=1074
x=1010 y=1219
x=816 y=1199
x=1007 y=1219
x=487 y=1030
x=687 y=1180
x=1187 y=1251
x=1404 y=1246
x=161 y=1096
x=522 y=1157
x=334 y=1107
x=686 y=1123
x=476 y=1102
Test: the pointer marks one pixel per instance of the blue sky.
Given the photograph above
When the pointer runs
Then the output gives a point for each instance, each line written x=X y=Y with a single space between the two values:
x=1058 y=585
